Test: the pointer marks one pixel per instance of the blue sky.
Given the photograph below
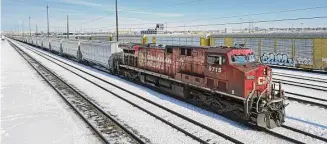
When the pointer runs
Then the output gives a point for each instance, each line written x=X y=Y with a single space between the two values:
x=138 y=14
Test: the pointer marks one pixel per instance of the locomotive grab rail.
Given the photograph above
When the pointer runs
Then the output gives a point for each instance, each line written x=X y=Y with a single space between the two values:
x=260 y=98
x=247 y=100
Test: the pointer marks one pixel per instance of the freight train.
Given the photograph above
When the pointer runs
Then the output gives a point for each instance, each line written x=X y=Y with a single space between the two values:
x=226 y=80
x=300 y=50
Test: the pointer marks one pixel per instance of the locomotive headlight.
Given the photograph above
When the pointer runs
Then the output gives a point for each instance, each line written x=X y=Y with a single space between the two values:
x=250 y=77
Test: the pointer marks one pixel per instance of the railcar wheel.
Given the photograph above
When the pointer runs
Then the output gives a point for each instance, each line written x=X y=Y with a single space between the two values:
x=217 y=106
x=270 y=119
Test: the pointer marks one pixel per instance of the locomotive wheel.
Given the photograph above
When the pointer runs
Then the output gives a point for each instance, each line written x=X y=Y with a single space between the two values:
x=264 y=121
x=270 y=120
x=198 y=100
x=217 y=106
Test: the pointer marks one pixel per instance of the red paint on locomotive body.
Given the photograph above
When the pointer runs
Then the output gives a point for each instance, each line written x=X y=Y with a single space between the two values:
x=230 y=70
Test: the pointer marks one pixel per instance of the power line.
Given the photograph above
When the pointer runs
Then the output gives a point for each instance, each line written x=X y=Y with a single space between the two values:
x=246 y=22
x=172 y=5
x=93 y=20
x=260 y=21
x=146 y=9
x=235 y=16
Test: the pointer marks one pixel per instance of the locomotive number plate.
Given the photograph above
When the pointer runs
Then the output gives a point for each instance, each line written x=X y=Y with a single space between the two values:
x=214 y=69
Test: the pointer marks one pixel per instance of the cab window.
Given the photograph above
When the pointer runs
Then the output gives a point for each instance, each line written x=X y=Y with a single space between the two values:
x=216 y=59
x=243 y=59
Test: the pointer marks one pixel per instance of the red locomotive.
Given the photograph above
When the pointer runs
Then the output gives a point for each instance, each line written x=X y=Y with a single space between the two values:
x=223 y=79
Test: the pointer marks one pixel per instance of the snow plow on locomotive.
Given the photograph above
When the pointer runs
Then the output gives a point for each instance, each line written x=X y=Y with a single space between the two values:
x=224 y=80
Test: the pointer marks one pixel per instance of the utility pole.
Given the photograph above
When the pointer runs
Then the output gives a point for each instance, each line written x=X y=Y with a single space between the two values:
x=23 y=29
x=48 y=20
x=250 y=26
x=241 y=25
x=184 y=29
x=29 y=25
x=67 y=28
x=166 y=28
x=116 y=21
x=36 y=29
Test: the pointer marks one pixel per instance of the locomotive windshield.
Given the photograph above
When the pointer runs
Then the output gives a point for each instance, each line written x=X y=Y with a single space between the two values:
x=243 y=59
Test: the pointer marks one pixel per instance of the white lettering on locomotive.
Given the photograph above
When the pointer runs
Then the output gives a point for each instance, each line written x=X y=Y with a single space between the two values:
x=214 y=69
x=261 y=80
x=264 y=80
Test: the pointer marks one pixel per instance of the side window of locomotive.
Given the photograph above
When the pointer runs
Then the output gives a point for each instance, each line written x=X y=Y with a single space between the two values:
x=216 y=59
x=189 y=52
x=169 y=50
x=183 y=51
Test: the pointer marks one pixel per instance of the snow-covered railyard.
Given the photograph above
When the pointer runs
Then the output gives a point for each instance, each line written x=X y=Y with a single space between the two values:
x=31 y=111
x=305 y=116
x=228 y=127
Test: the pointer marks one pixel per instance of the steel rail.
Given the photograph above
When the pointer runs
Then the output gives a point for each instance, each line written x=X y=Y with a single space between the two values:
x=135 y=105
x=253 y=126
x=131 y=134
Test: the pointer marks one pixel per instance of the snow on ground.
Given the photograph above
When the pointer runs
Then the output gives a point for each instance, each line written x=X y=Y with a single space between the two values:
x=147 y=126
x=31 y=111
x=215 y=121
x=307 y=99
x=305 y=91
x=300 y=73
x=296 y=80
x=307 y=117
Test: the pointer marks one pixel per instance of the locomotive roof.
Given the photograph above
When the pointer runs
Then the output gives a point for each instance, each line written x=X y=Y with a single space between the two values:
x=224 y=50
x=210 y=49
x=197 y=47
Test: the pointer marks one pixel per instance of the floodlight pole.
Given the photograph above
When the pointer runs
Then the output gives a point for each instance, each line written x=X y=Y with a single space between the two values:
x=116 y=21
x=29 y=25
x=48 y=20
x=67 y=28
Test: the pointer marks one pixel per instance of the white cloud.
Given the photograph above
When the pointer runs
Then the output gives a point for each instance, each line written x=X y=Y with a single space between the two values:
x=84 y=3
x=154 y=13
x=121 y=8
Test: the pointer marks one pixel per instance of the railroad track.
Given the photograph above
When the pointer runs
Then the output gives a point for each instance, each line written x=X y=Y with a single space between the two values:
x=305 y=133
x=301 y=84
x=301 y=77
x=294 y=140
x=321 y=102
x=308 y=99
x=197 y=138
x=106 y=127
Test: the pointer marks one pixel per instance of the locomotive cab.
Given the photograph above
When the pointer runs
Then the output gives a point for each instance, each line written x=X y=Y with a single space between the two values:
x=236 y=72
